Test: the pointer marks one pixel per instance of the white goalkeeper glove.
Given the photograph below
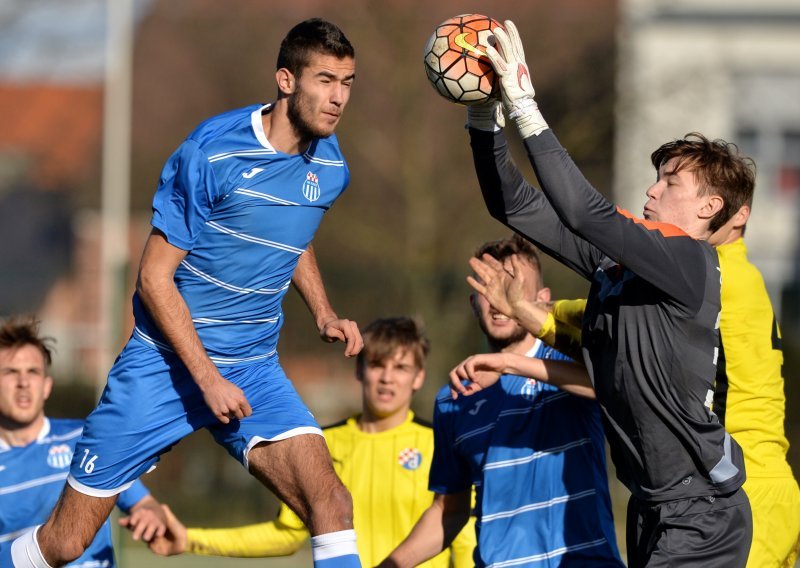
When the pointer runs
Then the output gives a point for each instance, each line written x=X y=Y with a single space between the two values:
x=515 y=81
x=487 y=116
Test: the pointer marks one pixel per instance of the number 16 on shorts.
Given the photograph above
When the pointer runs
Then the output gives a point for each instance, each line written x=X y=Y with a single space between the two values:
x=87 y=463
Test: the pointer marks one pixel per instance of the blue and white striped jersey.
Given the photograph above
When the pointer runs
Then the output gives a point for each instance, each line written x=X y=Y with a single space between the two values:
x=536 y=456
x=31 y=480
x=245 y=213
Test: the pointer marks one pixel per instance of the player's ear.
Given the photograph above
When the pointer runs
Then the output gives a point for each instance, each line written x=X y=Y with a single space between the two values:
x=711 y=206
x=286 y=81
x=543 y=295
x=419 y=380
x=473 y=303
x=48 y=386
x=741 y=217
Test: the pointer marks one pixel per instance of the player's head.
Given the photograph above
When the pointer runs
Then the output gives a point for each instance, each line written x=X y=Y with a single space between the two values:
x=701 y=184
x=315 y=70
x=24 y=381
x=391 y=366
x=499 y=329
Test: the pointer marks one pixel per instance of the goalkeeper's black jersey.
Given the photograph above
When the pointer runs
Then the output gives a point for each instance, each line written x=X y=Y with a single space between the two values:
x=650 y=333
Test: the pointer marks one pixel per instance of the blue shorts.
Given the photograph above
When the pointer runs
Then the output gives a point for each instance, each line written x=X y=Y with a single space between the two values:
x=151 y=402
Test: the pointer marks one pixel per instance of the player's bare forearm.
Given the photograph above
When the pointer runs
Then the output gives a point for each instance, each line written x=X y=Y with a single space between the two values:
x=434 y=531
x=307 y=279
x=481 y=371
x=566 y=375
x=164 y=303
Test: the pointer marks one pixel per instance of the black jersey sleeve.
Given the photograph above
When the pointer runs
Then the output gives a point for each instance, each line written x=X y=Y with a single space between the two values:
x=523 y=208
x=660 y=253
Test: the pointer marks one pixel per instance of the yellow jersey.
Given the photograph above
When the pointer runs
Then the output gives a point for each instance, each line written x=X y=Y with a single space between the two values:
x=749 y=396
x=387 y=475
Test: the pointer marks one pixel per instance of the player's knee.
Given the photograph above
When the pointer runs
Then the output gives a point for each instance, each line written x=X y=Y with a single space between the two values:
x=60 y=550
x=334 y=511
x=341 y=505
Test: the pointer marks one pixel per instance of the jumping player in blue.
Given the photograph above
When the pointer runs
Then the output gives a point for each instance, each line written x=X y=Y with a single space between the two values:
x=533 y=452
x=35 y=451
x=234 y=215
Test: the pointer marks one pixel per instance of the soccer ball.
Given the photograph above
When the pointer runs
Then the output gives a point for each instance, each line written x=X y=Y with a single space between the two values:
x=456 y=61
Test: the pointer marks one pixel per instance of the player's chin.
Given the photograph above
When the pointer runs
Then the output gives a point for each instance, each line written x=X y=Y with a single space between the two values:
x=326 y=128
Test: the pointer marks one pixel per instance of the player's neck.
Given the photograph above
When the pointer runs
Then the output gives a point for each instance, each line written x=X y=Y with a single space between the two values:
x=521 y=347
x=372 y=424
x=279 y=131
x=16 y=435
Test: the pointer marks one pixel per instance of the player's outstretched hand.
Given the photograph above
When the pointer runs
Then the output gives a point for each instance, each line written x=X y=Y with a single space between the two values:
x=476 y=373
x=343 y=330
x=146 y=521
x=226 y=400
x=174 y=540
x=515 y=80
x=503 y=289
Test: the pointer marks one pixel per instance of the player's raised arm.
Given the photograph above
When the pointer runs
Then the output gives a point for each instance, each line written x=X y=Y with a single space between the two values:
x=308 y=282
x=165 y=304
x=515 y=203
x=655 y=251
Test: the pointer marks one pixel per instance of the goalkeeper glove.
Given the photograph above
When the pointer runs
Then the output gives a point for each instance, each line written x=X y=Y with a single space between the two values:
x=515 y=81
x=486 y=116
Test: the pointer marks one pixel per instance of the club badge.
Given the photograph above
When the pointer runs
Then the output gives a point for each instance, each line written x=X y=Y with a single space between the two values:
x=311 y=190
x=60 y=456
x=410 y=459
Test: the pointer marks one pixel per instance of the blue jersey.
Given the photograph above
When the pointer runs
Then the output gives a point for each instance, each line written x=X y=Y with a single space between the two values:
x=245 y=213
x=31 y=480
x=536 y=457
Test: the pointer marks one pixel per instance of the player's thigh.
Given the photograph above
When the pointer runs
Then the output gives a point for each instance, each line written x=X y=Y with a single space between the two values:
x=776 y=521
x=150 y=402
x=298 y=470
x=278 y=411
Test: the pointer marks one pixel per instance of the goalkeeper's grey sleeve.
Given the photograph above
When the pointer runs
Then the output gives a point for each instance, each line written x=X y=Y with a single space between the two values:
x=524 y=209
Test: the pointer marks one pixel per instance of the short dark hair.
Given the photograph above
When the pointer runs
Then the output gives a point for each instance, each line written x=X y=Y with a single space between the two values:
x=19 y=331
x=384 y=336
x=514 y=244
x=719 y=167
x=312 y=36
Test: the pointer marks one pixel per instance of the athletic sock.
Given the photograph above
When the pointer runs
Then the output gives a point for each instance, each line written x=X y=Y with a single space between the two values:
x=335 y=550
x=25 y=551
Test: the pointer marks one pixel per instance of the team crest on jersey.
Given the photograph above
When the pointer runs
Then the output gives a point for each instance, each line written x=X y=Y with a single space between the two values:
x=59 y=456
x=311 y=190
x=410 y=459
x=528 y=390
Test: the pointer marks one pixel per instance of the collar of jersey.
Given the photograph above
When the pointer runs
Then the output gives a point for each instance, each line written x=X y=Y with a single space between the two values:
x=352 y=422
x=535 y=349
x=258 y=126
